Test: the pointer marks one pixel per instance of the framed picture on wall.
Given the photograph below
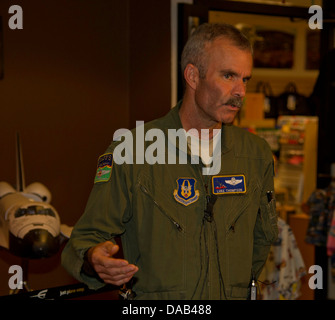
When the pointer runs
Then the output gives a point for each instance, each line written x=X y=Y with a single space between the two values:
x=274 y=48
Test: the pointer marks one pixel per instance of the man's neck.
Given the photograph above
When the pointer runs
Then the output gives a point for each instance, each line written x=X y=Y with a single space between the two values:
x=190 y=119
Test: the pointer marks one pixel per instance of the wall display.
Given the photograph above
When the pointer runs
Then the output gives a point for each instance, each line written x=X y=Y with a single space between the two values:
x=297 y=160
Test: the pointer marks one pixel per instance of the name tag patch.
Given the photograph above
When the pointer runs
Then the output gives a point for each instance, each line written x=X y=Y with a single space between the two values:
x=104 y=169
x=230 y=184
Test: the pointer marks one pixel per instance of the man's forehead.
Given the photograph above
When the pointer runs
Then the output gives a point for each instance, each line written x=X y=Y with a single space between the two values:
x=223 y=56
x=224 y=42
x=226 y=49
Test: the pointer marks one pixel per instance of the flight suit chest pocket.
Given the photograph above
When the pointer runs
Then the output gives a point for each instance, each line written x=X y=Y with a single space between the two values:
x=241 y=205
x=161 y=202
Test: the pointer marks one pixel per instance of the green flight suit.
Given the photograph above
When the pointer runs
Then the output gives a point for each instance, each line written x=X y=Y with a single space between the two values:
x=180 y=254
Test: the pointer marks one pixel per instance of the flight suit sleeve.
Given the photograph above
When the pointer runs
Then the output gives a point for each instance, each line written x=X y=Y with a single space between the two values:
x=266 y=227
x=107 y=210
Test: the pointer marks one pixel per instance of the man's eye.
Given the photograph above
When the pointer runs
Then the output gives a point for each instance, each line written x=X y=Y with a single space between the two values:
x=228 y=76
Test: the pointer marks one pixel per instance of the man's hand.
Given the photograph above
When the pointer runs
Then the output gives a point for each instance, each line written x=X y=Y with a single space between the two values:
x=109 y=269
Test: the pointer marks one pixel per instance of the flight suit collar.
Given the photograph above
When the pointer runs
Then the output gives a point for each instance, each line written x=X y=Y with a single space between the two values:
x=174 y=122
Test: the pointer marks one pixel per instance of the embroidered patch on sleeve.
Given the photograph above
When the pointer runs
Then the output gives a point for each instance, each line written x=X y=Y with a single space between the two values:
x=104 y=169
x=228 y=184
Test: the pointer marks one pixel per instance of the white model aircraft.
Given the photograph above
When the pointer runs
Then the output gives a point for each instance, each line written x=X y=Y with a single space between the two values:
x=29 y=225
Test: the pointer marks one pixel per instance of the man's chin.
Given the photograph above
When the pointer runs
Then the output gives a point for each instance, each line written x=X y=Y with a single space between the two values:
x=229 y=118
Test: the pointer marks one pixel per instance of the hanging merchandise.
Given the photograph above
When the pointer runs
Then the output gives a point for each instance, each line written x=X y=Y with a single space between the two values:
x=290 y=102
x=331 y=233
x=331 y=237
x=321 y=228
x=270 y=101
x=281 y=276
x=320 y=207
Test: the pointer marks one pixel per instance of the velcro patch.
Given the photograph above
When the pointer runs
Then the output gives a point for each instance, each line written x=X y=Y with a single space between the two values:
x=228 y=184
x=104 y=169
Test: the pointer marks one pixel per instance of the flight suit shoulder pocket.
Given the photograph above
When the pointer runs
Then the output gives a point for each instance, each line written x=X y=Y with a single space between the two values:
x=268 y=217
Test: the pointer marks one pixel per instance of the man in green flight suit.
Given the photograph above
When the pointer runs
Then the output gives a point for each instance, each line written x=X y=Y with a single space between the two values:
x=186 y=233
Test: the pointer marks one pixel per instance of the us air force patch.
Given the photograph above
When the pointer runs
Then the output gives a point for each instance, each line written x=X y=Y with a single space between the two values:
x=228 y=184
x=186 y=193
x=104 y=169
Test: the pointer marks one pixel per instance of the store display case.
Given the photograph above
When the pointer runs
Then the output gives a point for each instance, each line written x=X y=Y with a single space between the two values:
x=297 y=163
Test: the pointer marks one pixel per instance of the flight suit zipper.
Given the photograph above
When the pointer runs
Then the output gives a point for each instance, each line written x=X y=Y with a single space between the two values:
x=176 y=224
x=212 y=242
x=209 y=218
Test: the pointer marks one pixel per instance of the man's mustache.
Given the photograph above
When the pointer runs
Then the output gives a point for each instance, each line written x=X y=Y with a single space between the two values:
x=235 y=102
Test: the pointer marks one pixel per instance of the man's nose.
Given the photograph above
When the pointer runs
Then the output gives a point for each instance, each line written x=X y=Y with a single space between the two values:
x=239 y=89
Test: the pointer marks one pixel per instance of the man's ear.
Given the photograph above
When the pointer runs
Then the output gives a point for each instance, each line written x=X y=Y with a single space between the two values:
x=191 y=75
